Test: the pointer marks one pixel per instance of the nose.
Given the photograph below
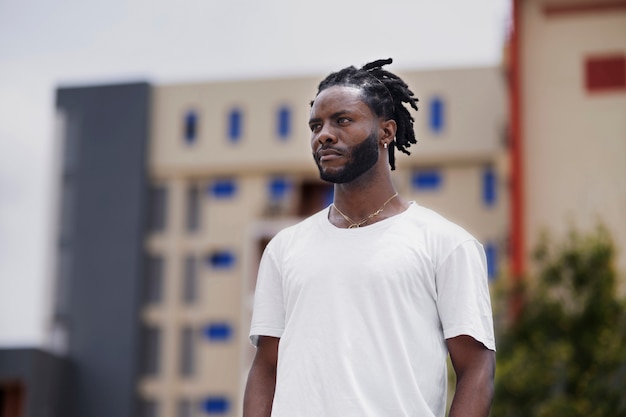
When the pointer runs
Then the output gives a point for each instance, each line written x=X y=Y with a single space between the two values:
x=325 y=136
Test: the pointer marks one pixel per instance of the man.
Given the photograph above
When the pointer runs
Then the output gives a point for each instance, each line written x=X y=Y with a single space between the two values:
x=357 y=307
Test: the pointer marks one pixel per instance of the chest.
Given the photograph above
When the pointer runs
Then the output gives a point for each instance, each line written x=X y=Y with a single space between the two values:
x=393 y=266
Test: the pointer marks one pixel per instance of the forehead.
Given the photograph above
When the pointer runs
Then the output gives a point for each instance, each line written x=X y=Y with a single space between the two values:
x=339 y=99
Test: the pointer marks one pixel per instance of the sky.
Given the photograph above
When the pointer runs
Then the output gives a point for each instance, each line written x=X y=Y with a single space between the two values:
x=44 y=45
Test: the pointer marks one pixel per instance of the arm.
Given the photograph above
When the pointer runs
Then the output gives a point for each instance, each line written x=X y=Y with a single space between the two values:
x=474 y=366
x=259 y=394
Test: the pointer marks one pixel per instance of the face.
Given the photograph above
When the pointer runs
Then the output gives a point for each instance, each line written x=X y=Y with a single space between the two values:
x=344 y=134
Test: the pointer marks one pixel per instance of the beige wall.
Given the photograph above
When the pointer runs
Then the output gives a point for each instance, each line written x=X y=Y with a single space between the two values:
x=476 y=111
x=574 y=141
x=258 y=149
x=471 y=140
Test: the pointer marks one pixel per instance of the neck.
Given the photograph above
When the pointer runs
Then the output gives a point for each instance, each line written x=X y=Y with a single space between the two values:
x=360 y=198
x=365 y=195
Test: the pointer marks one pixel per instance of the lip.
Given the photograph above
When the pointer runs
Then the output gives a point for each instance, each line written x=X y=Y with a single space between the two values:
x=328 y=154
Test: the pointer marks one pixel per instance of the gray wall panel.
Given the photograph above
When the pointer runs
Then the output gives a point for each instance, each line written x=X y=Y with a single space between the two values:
x=109 y=177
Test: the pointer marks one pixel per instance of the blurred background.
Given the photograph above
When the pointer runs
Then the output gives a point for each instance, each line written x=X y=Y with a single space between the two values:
x=149 y=150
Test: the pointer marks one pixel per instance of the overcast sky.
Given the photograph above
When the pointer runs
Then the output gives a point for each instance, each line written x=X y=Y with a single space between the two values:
x=44 y=44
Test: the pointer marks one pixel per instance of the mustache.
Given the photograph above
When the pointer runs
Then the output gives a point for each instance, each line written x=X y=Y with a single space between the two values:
x=326 y=148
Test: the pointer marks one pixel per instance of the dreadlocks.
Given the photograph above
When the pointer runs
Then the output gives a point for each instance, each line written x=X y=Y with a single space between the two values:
x=385 y=94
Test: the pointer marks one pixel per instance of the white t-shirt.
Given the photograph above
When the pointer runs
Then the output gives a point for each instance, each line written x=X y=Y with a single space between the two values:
x=363 y=314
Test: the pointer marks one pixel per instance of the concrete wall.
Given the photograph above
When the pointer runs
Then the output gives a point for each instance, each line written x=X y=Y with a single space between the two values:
x=574 y=139
x=101 y=243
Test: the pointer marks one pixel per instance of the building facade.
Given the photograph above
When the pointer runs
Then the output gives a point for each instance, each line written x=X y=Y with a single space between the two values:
x=167 y=196
x=101 y=229
x=568 y=100
x=229 y=164
x=169 y=193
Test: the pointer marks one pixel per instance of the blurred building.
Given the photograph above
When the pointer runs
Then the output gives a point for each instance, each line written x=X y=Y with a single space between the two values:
x=33 y=383
x=567 y=61
x=90 y=365
x=168 y=195
x=229 y=164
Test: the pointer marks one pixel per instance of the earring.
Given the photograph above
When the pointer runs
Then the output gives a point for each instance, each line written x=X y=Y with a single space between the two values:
x=385 y=145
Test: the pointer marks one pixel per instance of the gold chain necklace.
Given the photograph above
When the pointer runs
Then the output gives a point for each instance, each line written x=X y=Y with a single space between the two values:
x=353 y=224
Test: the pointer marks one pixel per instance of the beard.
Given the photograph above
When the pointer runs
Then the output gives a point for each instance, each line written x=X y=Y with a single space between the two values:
x=360 y=158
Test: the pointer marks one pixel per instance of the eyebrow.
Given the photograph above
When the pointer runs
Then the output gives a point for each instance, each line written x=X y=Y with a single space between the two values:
x=332 y=116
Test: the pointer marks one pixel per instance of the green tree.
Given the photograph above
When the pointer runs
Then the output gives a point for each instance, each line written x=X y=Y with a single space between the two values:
x=565 y=352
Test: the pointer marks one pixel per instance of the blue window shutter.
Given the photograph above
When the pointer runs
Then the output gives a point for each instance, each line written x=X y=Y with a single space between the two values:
x=491 y=252
x=437 y=115
x=329 y=196
x=284 y=122
x=427 y=179
x=278 y=188
x=223 y=188
x=235 y=125
x=221 y=260
x=191 y=126
x=489 y=187
x=219 y=332
x=216 y=405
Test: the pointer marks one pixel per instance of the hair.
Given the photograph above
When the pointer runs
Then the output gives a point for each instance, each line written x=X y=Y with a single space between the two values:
x=384 y=93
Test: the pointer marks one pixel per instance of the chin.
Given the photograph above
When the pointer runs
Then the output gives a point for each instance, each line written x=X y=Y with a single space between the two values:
x=336 y=177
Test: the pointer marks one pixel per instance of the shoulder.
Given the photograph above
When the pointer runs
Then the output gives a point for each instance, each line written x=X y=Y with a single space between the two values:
x=440 y=234
x=437 y=226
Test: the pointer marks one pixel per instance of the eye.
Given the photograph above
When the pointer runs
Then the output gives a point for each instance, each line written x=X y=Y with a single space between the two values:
x=343 y=120
x=315 y=127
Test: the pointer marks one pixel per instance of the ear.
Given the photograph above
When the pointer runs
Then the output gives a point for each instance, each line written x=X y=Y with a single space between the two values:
x=388 y=129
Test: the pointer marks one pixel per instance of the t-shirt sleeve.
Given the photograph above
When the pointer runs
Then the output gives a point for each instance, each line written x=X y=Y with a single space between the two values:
x=463 y=298
x=268 y=314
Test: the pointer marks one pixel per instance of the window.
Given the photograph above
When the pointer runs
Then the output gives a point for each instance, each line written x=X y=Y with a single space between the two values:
x=283 y=122
x=224 y=188
x=489 y=187
x=187 y=351
x=68 y=197
x=606 y=73
x=157 y=208
x=218 y=332
x=190 y=279
x=12 y=398
x=193 y=208
x=71 y=126
x=148 y=408
x=314 y=196
x=235 y=125
x=221 y=260
x=427 y=180
x=153 y=281
x=151 y=350
x=437 y=114
x=278 y=191
x=278 y=188
x=491 y=252
x=63 y=281
x=216 y=405
x=190 y=129
x=185 y=408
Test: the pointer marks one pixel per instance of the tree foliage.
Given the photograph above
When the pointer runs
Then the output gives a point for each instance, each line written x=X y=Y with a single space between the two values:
x=565 y=352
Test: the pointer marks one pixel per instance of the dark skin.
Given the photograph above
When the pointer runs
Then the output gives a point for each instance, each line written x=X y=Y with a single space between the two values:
x=339 y=120
x=475 y=367
x=259 y=392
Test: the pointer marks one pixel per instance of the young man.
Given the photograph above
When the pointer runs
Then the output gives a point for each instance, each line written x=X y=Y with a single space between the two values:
x=357 y=307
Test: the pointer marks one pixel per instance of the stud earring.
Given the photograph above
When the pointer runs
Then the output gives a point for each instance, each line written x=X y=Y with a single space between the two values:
x=385 y=145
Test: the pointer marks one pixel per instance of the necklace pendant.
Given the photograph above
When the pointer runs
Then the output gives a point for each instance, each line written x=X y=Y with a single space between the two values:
x=356 y=225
